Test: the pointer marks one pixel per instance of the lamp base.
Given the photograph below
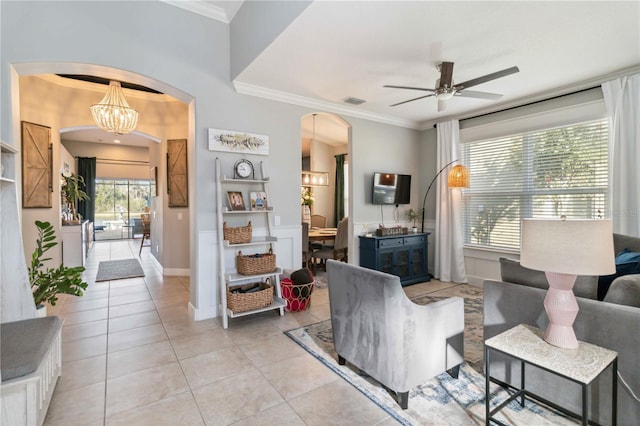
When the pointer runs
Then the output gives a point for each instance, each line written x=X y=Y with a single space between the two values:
x=562 y=308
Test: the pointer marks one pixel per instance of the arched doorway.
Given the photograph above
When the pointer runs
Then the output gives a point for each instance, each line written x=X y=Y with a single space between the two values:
x=324 y=136
x=75 y=116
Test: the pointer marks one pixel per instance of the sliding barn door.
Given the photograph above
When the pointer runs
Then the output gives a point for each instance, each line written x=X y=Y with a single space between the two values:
x=37 y=179
x=177 y=183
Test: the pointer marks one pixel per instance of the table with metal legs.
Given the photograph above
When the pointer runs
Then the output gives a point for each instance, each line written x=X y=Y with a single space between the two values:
x=525 y=343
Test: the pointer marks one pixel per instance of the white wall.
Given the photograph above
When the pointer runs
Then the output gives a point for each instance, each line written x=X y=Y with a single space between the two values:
x=138 y=168
x=188 y=57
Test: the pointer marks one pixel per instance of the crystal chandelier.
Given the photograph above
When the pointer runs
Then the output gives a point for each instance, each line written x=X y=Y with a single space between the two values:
x=113 y=113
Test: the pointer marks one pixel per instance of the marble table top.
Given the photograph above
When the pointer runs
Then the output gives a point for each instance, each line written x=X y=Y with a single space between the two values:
x=582 y=364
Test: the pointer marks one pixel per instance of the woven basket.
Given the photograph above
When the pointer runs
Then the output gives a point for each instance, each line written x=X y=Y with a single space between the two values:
x=239 y=235
x=298 y=297
x=259 y=263
x=242 y=302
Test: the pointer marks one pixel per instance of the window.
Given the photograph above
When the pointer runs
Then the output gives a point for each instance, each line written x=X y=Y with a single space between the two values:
x=118 y=203
x=547 y=173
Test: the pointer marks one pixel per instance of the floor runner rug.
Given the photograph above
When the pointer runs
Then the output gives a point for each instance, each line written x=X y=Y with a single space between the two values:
x=119 y=269
x=442 y=400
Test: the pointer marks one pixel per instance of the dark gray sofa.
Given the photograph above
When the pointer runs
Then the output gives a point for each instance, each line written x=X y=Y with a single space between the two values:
x=613 y=323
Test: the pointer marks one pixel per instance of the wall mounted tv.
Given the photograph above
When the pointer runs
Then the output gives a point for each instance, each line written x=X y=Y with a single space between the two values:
x=391 y=188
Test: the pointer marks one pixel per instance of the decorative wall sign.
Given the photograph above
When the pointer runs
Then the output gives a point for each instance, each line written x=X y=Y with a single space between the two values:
x=232 y=141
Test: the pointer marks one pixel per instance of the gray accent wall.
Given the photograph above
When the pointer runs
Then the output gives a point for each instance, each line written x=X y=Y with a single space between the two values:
x=188 y=57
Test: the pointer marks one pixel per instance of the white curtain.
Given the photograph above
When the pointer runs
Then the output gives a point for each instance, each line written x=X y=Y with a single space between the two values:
x=621 y=97
x=449 y=257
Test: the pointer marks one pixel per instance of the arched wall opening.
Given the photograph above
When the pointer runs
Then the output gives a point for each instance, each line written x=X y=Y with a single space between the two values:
x=323 y=137
x=150 y=131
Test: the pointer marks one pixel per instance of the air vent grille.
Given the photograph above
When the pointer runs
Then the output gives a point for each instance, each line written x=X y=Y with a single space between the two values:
x=353 y=101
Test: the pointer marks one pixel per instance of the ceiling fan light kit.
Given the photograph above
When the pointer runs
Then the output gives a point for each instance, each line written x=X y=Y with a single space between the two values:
x=446 y=89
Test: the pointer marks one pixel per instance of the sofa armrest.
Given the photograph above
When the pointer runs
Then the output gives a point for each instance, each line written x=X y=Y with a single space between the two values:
x=625 y=290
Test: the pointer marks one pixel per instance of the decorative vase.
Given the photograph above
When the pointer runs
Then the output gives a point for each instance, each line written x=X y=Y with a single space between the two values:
x=306 y=214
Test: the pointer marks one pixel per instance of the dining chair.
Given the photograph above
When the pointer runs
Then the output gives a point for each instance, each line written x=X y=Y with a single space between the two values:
x=146 y=230
x=339 y=251
x=306 y=247
x=318 y=221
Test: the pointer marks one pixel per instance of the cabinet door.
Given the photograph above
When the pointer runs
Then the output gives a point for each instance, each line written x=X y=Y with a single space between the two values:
x=418 y=262
x=36 y=166
x=177 y=179
x=386 y=261
x=403 y=263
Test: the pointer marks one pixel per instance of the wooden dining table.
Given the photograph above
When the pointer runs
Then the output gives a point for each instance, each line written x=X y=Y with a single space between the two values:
x=321 y=234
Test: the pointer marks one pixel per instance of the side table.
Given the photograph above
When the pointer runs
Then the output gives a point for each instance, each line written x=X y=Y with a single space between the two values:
x=581 y=365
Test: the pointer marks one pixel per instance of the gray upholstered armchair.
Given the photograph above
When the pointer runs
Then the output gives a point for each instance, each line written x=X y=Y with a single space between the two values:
x=383 y=333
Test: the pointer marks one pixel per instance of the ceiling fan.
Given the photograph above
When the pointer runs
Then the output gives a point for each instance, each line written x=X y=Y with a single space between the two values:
x=446 y=89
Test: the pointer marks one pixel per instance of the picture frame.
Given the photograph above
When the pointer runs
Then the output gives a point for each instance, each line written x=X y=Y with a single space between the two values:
x=236 y=202
x=258 y=201
x=239 y=142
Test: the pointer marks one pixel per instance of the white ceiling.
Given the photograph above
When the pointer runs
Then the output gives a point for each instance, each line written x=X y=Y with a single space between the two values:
x=336 y=49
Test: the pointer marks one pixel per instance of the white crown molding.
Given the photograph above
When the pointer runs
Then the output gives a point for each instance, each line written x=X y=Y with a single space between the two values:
x=276 y=95
x=201 y=8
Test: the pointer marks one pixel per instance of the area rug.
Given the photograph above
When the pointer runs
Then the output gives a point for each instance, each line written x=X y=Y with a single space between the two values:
x=442 y=400
x=119 y=269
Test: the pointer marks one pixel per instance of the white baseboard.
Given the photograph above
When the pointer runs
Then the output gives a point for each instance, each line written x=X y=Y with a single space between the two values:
x=176 y=272
x=201 y=314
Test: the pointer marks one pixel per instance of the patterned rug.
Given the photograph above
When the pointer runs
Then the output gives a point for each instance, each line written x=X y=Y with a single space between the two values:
x=443 y=399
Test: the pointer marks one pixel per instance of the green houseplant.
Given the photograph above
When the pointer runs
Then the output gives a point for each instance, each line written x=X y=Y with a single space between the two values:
x=47 y=283
x=72 y=192
x=414 y=215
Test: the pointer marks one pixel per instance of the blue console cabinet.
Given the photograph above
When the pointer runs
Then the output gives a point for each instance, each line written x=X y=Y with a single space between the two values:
x=401 y=255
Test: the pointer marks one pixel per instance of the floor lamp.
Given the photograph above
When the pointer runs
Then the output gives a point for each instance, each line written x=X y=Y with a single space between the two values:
x=458 y=178
x=564 y=249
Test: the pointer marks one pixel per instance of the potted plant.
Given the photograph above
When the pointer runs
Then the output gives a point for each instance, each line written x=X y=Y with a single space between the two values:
x=47 y=283
x=413 y=215
x=72 y=194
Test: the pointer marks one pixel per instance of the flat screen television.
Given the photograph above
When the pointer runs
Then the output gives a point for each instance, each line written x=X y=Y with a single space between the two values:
x=391 y=188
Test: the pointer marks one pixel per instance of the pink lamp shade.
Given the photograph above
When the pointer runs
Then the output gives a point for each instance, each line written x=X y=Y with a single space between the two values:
x=564 y=249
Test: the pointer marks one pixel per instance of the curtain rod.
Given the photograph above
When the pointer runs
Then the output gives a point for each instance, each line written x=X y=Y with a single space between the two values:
x=119 y=160
x=525 y=105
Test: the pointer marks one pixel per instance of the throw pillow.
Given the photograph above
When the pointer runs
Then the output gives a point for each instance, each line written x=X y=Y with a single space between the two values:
x=627 y=262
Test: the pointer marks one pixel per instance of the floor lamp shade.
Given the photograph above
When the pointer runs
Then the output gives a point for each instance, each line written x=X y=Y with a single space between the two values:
x=564 y=249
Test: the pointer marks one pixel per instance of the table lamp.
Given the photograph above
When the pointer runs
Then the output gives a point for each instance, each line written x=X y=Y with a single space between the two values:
x=565 y=249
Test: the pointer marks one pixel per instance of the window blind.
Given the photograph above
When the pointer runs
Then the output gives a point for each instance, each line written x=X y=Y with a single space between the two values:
x=547 y=173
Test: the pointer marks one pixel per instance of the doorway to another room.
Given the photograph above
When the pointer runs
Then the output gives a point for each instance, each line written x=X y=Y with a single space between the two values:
x=119 y=204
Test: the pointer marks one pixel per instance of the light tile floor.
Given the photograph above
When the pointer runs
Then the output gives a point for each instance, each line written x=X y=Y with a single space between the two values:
x=132 y=356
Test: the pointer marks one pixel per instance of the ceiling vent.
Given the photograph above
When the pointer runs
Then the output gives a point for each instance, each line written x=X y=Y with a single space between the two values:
x=353 y=101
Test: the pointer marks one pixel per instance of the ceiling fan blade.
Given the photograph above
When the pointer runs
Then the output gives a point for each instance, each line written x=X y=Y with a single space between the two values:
x=446 y=74
x=478 y=95
x=411 y=100
x=442 y=105
x=486 y=78
x=410 y=88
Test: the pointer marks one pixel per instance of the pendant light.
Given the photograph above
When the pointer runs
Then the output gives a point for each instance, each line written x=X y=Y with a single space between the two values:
x=113 y=114
x=314 y=178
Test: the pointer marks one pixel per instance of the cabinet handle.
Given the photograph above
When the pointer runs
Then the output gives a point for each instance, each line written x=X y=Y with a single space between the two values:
x=51 y=167
x=168 y=176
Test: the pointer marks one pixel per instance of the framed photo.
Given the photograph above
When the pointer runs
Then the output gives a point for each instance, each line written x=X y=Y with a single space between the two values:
x=258 y=200
x=236 y=202
x=232 y=141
